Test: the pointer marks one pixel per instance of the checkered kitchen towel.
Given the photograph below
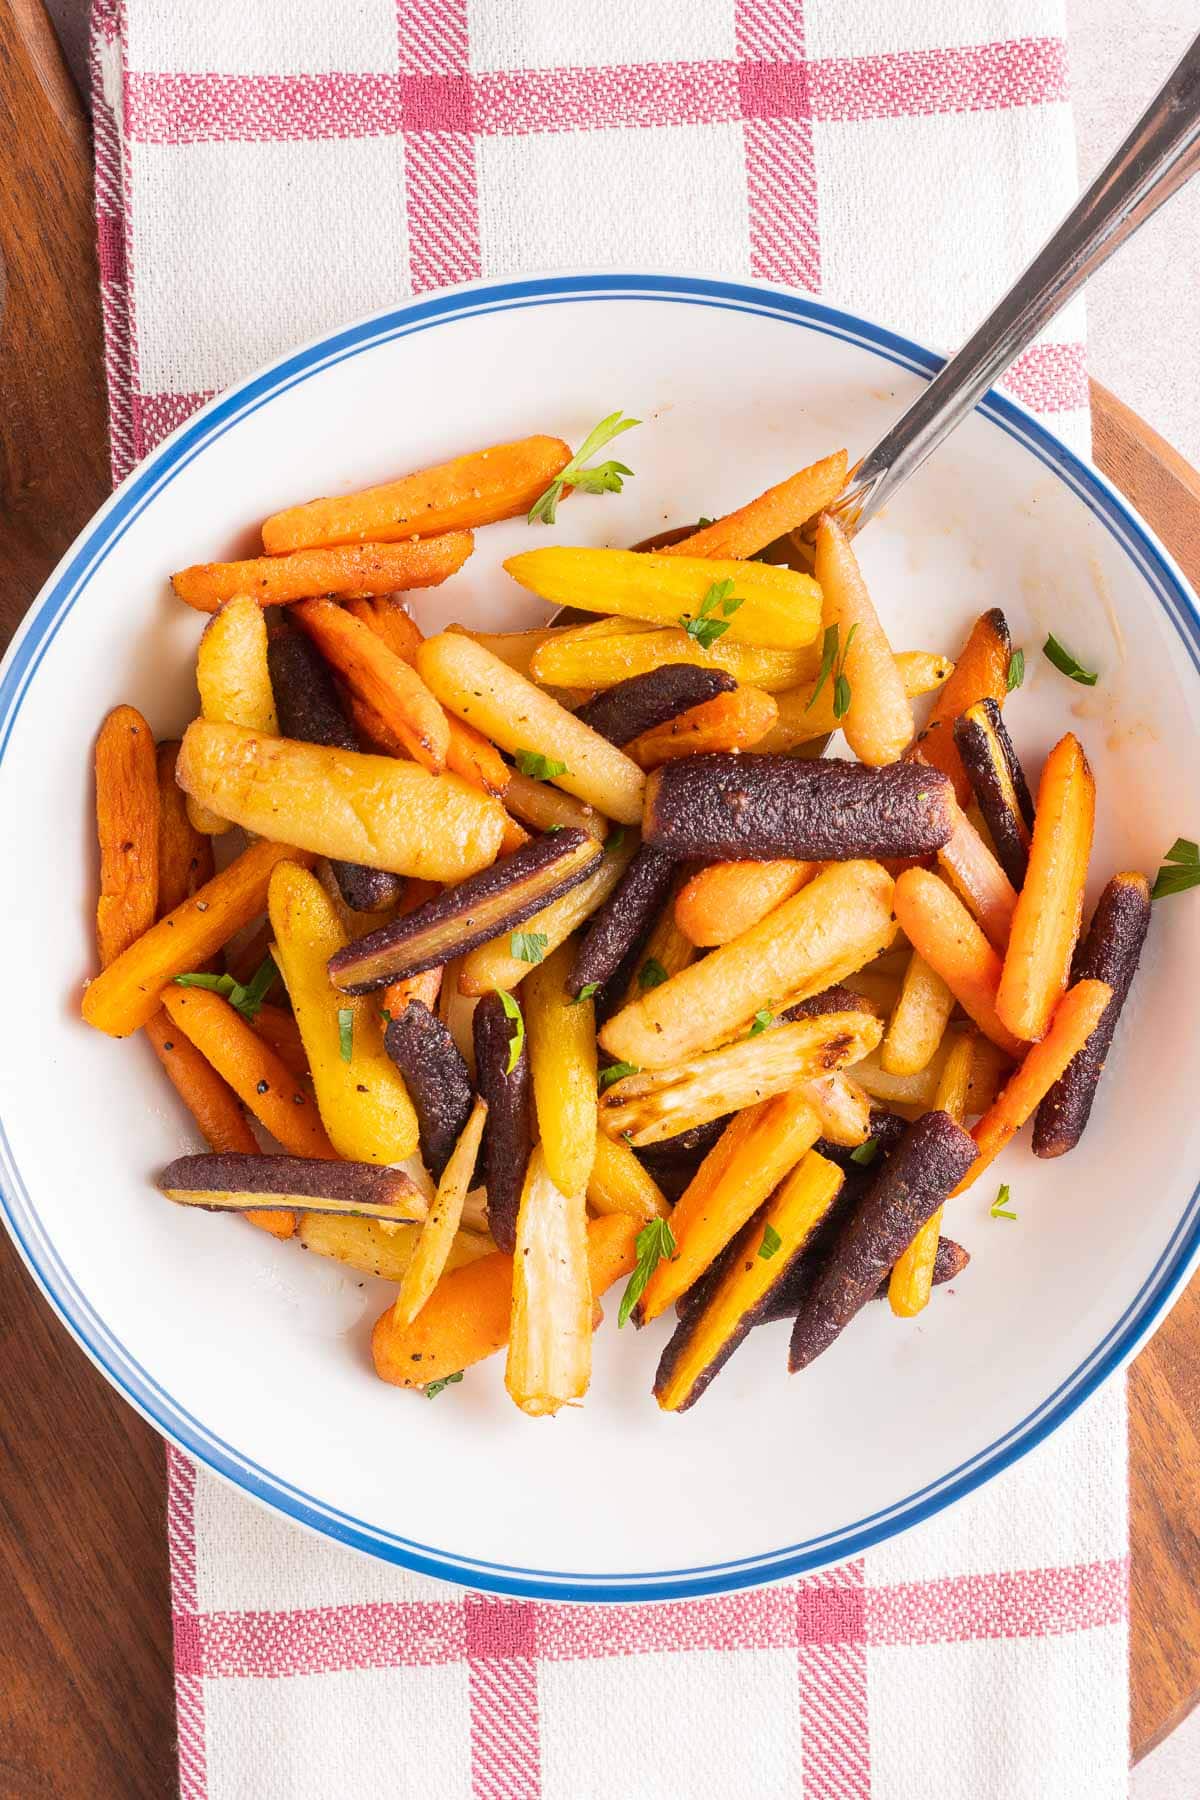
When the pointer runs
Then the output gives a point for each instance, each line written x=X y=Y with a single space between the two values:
x=903 y=158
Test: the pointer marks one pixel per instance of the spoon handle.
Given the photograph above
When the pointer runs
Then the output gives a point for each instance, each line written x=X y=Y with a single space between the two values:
x=1159 y=155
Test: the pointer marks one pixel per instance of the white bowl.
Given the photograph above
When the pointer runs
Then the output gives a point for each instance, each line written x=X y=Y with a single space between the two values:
x=252 y=1356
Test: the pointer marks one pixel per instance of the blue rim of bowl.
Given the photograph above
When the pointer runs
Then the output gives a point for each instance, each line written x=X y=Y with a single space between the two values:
x=137 y=1385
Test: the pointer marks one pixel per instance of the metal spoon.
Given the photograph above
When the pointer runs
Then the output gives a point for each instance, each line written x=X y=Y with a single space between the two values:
x=1159 y=155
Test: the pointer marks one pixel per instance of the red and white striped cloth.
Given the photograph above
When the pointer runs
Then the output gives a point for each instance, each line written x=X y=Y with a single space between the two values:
x=902 y=159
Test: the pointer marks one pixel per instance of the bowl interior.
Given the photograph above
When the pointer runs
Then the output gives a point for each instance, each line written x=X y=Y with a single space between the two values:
x=254 y=1355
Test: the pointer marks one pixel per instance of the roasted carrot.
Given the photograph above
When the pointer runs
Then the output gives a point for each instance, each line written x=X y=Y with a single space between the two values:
x=1046 y=922
x=784 y=507
x=1076 y=1017
x=259 y=1077
x=918 y=1020
x=424 y=987
x=748 y=1161
x=467 y=1316
x=877 y=719
x=979 y=879
x=664 y=952
x=981 y=672
x=805 y=715
x=127 y=827
x=305 y=574
x=185 y=857
x=729 y=722
x=940 y=928
x=911 y=1280
x=276 y=1026
x=547 y=808
x=126 y=994
x=234 y=681
x=214 y=1106
x=479 y=488
x=384 y=680
x=391 y=620
x=720 y=902
x=620 y=1183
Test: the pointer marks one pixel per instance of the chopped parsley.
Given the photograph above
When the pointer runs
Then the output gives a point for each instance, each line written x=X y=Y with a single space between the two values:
x=1000 y=1207
x=653 y=1242
x=703 y=626
x=866 y=1153
x=834 y=664
x=346 y=1032
x=541 y=768
x=528 y=946
x=1070 y=665
x=1180 y=870
x=651 y=974
x=604 y=478
x=762 y=1018
x=516 y=1042
x=617 y=1072
x=585 y=993
x=771 y=1242
x=1016 y=669
x=248 y=999
x=434 y=1388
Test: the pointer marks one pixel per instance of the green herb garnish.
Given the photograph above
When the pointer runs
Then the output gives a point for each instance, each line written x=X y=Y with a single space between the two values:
x=516 y=1042
x=542 y=768
x=834 y=664
x=762 y=1018
x=614 y=841
x=1180 y=870
x=585 y=993
x=771 y=1242
x=1000 y=1205
x=346 y=1032
x=653 y=1242
x=605 y=478
x=651 y=974
x=1016 y=669
x=247 y=1000
x=866 y=1153
x=617 y=1072
x=704 y=628
x=434 y=1388
x=1070 y=665
x=528 y=946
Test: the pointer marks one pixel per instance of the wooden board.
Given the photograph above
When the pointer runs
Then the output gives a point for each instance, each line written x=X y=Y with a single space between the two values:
x=85 y=1639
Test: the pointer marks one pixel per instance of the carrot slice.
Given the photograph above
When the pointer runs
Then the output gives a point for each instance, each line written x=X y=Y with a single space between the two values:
x=980 y=880
x=304 y=574
x=126 y=994
x=878 y=721
x=747 y=1162
x=729 y=722
x=1076 y=1017
x=940 y=929
x=185 y=855
x=479 y=488
x=980 y=673
x=467 y=1317
x=784 y=507
x=384 y=680
x=259 y=1077
x=127 y=827
x=276 y=1026
x=1049 y=910
x=727 y=898
x=918 y=1020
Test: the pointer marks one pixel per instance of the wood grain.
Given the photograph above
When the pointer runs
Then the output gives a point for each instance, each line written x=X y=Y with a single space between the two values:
x=85 y=1648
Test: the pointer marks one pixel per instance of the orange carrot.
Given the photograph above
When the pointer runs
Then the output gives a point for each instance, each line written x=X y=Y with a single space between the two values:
x=731 y=721
x=390 y=619
x=940 y=929
x=500 y=482
x=276 y=1026
x=244 y=962
x=127 y=827
x=258 y=1076
x=747 y=1162
x=424 y=987
x=877 y=719
x=185 y=855
x=1076 y=1017
x=305 y=574
x=1037 y=963
x=782 y=508
x=911 y=1281
x=214 y=1106
x=384 y=680
x=722 y=901
x=467 y=1316
x=979 y=879
x=981 y=671
x=126 y=994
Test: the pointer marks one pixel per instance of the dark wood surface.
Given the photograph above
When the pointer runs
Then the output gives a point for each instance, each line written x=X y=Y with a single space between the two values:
x=85 y=1647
